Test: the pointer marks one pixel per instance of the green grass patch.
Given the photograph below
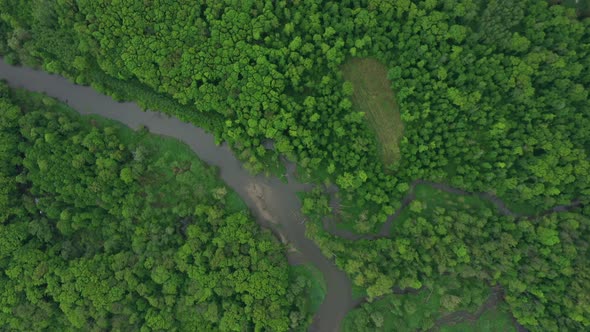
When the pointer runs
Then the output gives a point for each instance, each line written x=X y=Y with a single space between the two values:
x=274 y=167
x=521 y=207
x=316 y=176
x=356 y=219
x=373 y=96
x=494 y=320
x=358 y=292
x=318 y=288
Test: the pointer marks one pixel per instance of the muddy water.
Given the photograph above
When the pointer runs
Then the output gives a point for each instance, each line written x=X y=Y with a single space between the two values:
x=273 y=203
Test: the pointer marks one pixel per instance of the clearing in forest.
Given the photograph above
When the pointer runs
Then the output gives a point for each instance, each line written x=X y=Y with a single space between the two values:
x=373 y=96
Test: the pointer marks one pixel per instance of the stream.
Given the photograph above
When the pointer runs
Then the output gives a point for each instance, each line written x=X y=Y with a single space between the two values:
x=273 y=203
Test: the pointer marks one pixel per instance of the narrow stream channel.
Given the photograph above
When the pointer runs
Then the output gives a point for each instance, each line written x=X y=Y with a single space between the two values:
x=273 y=203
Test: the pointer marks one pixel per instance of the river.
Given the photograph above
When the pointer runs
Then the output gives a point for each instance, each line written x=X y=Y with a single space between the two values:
x=273 y=203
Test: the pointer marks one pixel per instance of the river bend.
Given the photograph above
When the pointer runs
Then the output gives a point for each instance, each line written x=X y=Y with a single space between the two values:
x=273 y=203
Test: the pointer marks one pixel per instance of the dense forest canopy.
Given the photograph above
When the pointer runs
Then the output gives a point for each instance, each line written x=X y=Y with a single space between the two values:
x=493 y=95
x=102 y=229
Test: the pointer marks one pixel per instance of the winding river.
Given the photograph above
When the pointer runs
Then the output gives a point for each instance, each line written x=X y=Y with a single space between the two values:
x=273 y=203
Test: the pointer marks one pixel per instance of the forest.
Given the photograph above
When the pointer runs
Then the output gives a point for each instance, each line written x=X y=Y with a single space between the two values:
x=540 y=263
x=493 y=96
x=103 y=228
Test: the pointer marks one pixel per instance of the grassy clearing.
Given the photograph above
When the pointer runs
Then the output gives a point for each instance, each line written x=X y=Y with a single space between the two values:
x=373 y=96
x=319 y=287
x=355 y=218
x=494 y=320
x=317 y=176
x=358 y=292
x=431 y=198
x=521 y=207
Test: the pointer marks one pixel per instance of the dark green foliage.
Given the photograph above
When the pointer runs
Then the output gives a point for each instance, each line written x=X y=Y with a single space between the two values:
x=103 y=230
